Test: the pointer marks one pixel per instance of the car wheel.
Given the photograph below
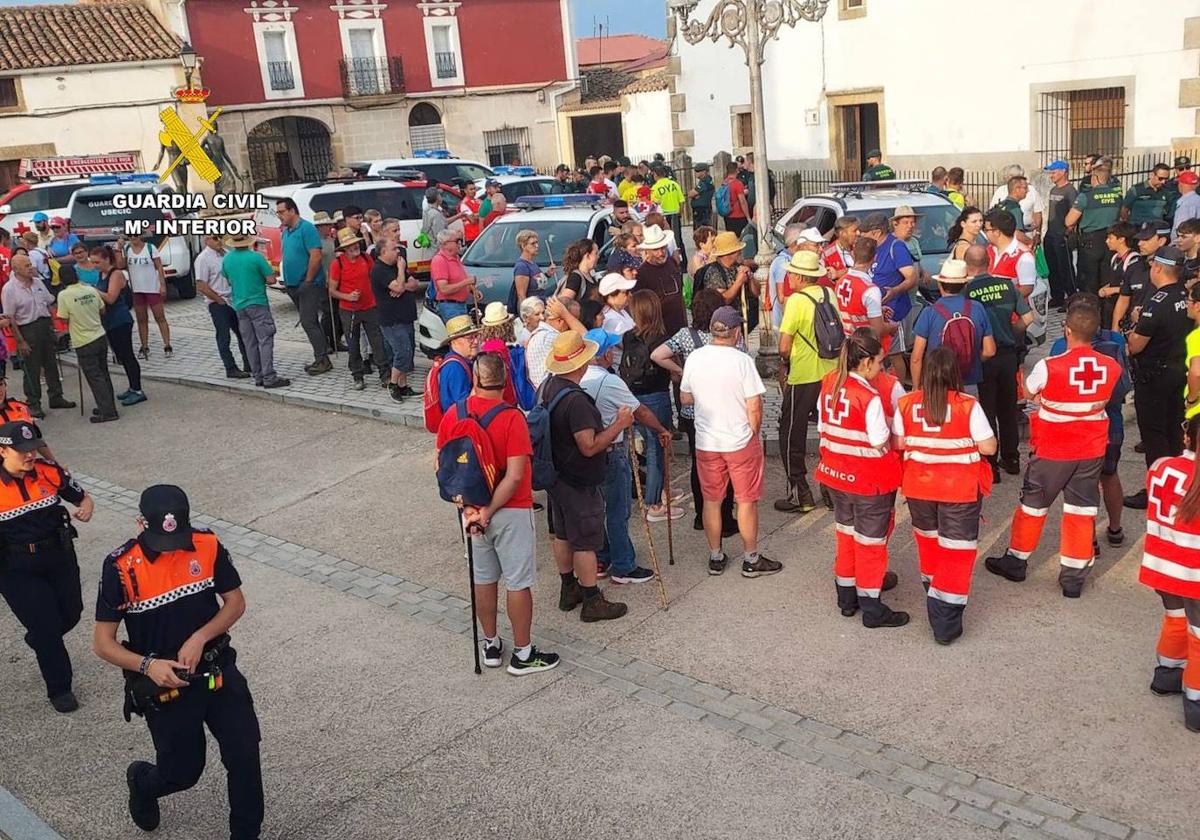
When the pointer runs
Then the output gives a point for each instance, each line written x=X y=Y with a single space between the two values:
x=185 y=286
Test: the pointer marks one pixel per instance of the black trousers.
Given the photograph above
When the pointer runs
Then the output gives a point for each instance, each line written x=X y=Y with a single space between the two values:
x=178 y=733
x=735 y=225
x=1159 y=409
x=701 y=216
x=1094 y=265
x=675 y=220
x=798 y=403
x=93 y=361
x=728 y=520
x=43 y=592
x=1062 y=268
x=998 y=399
x=121 y=341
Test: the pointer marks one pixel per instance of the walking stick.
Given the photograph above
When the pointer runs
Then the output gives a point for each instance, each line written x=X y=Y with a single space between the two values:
x=79 y=373
x=468 y=530
x=667 y=485
x=637 y=480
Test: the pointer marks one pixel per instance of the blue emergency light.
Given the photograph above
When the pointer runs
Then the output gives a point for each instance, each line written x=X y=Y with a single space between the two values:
x=566 y=200
x=132 y=178
x=438 y=154
x=517 y=171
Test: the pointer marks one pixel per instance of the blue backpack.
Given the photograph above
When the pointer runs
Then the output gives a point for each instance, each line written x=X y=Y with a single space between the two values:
x=526 y=395
x=467 y=471
x=545 y=474
x=724 y=200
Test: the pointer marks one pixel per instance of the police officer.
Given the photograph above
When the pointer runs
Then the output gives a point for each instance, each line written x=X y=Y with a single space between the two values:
x=876 y=169
x=1085 y=183
x=1094 y=211
x=180 y=672
x=39 y=575
x=1149 y=200
x=1158 y=343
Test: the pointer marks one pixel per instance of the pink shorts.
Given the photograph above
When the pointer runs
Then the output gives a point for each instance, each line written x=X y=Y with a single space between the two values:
x=147 y=298
x=743 y=467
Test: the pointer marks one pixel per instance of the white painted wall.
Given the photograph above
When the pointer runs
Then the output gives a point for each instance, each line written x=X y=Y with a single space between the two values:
x=909 y=50
x=646 y=122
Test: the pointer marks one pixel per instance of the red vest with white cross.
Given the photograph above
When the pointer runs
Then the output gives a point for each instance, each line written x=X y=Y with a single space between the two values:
x=941 y=461
x=848 y=461
x=849 y=293
x=1004 y=265
x=1171 y=558
x=1070 y=423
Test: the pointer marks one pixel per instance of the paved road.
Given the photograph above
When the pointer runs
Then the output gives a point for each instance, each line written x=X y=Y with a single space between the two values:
x=751 y=708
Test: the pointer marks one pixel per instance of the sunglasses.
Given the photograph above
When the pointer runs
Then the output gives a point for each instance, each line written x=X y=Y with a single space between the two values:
x=55 y=227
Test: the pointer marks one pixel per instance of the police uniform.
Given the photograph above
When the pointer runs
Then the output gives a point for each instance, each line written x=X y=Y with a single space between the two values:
x=164 y=585
x=1101 y=207
x=12 y=410
x=1171 y=567
x=862 y=475
x=39 y=574
x=1146 y=204
x=1161 y=374
x=1068 y=438
x=879 y=172
x=945 y=480
x=1129 y=274
x=1013 y=207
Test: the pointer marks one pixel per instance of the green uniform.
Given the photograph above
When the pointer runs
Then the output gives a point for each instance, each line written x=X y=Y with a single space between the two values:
x=879 y=172
x=1013 y=208
x=1146 y=204
x=1101 y=207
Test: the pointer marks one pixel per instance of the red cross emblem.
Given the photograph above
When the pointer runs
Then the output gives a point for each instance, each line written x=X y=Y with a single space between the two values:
x=21 y=229
x=1088 y=375
x=1170 y=480
x=844 y=292
x=919 y=416
x=843 y=408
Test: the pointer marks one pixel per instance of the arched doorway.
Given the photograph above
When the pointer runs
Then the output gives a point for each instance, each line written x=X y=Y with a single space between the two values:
x=284 y=150
x=425 y=129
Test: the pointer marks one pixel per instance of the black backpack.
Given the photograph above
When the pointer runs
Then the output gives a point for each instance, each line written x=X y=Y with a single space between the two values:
x=827 y=326
x=636 y=366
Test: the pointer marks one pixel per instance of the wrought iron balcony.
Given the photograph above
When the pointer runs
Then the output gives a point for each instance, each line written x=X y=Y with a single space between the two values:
x=447 y=65
x=280 y=74
x=372 y=76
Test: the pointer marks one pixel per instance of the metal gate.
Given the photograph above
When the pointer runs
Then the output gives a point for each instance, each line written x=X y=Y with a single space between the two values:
x=1076 y=123
x=508 y=146
x=288 y=149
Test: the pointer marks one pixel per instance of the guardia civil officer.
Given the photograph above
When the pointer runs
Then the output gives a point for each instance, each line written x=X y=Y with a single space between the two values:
x=39 y=575
x=178 y=593
x=1094 y=211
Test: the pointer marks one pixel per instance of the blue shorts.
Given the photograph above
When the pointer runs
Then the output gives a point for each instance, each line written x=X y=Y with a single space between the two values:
x=448 y=309
x=400 y=339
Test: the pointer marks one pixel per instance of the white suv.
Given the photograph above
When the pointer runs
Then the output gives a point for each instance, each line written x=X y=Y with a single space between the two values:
x=437 y=166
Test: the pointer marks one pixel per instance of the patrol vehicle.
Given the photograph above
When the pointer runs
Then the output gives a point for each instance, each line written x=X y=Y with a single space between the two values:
x=436 y=164
x=518 y=181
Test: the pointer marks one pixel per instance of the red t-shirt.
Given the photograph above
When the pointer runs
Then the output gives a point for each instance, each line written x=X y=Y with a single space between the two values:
x=470 y=229
x=510 y=436
x=736 y=188
x=353 y=276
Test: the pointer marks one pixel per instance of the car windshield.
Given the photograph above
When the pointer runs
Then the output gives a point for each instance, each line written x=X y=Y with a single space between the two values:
x=497 y=245
x=403 y=203
x=43 y=198
x=97 y=211
x=452 y=173
x=933 y=225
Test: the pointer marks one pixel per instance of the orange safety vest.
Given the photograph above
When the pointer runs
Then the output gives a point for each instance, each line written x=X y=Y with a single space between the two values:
x=942 y=462
x=1171 y=558
x=172 y=575
x=40 y=491
x=848 y=461
x=1071 y=423
x=849 y=293
x=12 y=411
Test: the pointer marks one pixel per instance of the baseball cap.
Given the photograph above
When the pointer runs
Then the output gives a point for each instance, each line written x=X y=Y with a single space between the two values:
x=726 y=318
x=1153 y=229
x=1169 y=255
x=1183 y=162
x=701 y=167
x=165 y=511
x=605 y=340
x=40 y=217
x=1103 y=163
x=812 y=235
x=21 y=436
x=491 y=182
x=875 y=153
x=620 y=260
x=58 y=221
x=1188 y=177
x=1056 y=166
x=611 y=283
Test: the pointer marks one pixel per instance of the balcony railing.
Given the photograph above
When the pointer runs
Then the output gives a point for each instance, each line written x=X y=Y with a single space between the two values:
x=447 y=65
x=280 y=74
x=372 y=76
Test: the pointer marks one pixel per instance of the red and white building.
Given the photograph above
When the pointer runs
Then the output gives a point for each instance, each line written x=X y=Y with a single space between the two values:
x=307 y=86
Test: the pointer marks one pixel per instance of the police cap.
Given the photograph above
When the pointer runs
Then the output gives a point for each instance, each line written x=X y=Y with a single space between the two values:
x=1153 y=229
x=1169 y=255
x=165 y=510
x=21 y=436
x=1183 y=162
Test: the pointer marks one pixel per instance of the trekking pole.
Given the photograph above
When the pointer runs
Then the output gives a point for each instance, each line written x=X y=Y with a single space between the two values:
x=637 y=480
x=667 y=485
x=468 y=530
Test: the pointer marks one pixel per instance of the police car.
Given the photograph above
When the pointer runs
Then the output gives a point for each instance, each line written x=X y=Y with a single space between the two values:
x=20 y=204
x=436 y=164
x=518 y=181
x=96 y=221
x=558 y=220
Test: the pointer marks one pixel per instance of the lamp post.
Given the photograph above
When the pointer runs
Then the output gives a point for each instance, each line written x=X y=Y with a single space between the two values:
x=187 y=57
x=750 y=24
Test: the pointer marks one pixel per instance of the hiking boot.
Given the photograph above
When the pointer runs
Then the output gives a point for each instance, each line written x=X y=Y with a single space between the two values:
x=61 y=402
x=143 y=810
x=890 y=618
x=318 y=367
x=493 y=654
x=277 y=382
x=570 y=596
x=1007 y=567
x=717 y=567
x=1137 y=501
x=1167 y=681
x=535 y=664
x=761 y=567
x=103 y=418
x=599 y=608
x=64 y=703
x=1115 y=538
x=794 y=505
x=638 y=575
x=948 y=639
x=890 y=579
x=1012 y=466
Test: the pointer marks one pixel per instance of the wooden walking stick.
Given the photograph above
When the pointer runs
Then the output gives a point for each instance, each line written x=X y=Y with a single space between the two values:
x=637 y=480
x=667 y=485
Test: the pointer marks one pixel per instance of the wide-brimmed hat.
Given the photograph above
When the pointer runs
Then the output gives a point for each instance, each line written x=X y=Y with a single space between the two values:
x=614 y=282
x=570 y=352
x=806 y=263
x=653 y=238
x=239 y=240
x=322 y=218
x=953 y=272
x=347 y=237
x=725 y=243
x=904 y=212
x=496 y=315
x=460 y=326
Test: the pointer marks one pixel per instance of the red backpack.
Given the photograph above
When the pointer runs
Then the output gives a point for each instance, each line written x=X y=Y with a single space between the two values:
x=433 y=400
x=467 y=468
x=958 y=336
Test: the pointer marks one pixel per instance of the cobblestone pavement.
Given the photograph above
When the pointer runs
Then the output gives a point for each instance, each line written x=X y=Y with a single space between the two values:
x=956 y=792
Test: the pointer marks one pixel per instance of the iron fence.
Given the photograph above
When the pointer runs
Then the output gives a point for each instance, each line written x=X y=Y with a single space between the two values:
x=280 y=75
x=373 y=76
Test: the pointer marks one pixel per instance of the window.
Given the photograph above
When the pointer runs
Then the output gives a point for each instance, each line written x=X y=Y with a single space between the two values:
x=1076 y=123
x=743 y=130
x=8 y=94
x=851 y=9
x=279 y=69
x=507 y=147
x=425 y=129
x=445 y=51
x=276 y=44
x=402 y=203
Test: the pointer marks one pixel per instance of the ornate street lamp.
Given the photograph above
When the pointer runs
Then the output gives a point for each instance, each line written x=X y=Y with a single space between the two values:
x=187 y=57
x=750 y=24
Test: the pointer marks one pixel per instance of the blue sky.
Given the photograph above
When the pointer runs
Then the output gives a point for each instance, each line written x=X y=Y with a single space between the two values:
x=649 y=17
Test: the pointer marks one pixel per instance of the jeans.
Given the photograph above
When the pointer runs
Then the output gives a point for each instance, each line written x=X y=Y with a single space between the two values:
x=93 y=361
x=39 y=335
x=355 y=323
x=1062 y=268
x=258 y=327
x=618 y=552
x=400 y=340
x=659 y=404
x=310 y=299
x=225 y=322
x=120 y=339
x=448 y=309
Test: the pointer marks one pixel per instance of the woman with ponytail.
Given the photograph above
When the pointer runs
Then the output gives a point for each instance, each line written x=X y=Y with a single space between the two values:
x=946 y=440
x=1171 y=567
x=862 y=473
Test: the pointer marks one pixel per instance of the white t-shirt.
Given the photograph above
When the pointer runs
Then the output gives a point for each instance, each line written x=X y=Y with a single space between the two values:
x=617 y=321
x=981 y=429
x=143 y=276
x=207 y=269
x=721 y=380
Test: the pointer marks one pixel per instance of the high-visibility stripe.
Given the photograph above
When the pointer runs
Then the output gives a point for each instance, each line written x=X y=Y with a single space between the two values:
x=1195 y=630
x=1171 y=569
x=1038 y=512
x=862 y=539
x=1076 y=562
x=939 y=443
x=946 y=597
x=963 y=545
x=1165 y=662
x=1176 y=613
x=1076 y=407
x=929 y=534
x=930 y=458
x=838 y=431
x=1020 y=555
x=1054 y=417
x=170 y=597
x=844 y=581
x=868 y=593
x=846 y=449
x=1080 y=510
x=844 y=529
x=13 y=513
x=1169 y=534
x=1192 y=693
x=926 y=578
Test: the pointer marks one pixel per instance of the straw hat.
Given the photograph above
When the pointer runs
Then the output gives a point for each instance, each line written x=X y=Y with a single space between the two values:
x=496 y=315
x=570 y=352
x=322 y=218
x=241 y=240
x=725 y=244
x=806 y=263
x=904 y=212
x=346 y=237
x=953 y=272
x=460 y=326
x=654 y=238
